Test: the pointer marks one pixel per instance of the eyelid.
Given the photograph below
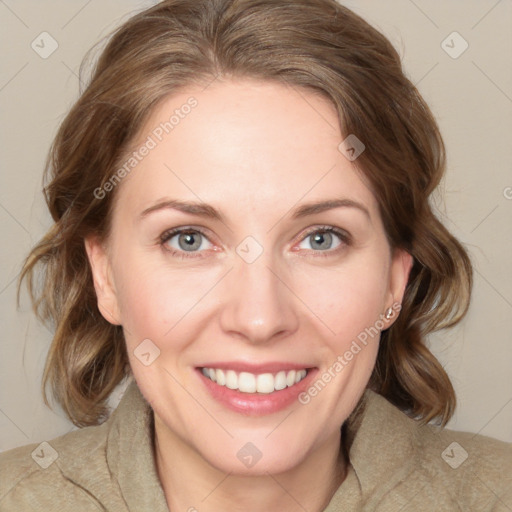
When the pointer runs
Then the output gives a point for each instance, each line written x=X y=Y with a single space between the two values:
x=342 y=233
x=169 y=233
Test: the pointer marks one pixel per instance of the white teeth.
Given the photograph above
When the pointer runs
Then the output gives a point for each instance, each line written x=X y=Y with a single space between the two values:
x=231 y=380
x=221 y=377
x=265 y=383
x=280 y=381
x=247 y=382
x=250 y=383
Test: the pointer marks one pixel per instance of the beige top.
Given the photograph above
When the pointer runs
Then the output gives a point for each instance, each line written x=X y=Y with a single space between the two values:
x=395 y=465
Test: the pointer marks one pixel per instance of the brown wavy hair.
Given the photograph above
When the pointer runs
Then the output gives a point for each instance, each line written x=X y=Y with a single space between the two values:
x=314 y=45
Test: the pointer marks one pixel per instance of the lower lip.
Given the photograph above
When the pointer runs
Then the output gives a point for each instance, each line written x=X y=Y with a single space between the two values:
x=256 y=404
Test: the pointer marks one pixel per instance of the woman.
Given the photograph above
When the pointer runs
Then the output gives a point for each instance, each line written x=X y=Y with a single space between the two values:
x=242 y=228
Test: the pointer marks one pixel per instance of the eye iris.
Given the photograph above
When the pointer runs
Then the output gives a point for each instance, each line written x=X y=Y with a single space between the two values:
x=186 y=241
x=320 y=237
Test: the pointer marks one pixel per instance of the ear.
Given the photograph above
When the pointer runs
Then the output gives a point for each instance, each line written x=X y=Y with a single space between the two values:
x=102 y=278
x=401 y=265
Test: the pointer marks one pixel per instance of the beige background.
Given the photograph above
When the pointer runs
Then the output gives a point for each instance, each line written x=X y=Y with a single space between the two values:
x=470 y=95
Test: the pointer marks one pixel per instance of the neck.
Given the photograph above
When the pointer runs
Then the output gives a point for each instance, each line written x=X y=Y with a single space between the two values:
x=191 y=483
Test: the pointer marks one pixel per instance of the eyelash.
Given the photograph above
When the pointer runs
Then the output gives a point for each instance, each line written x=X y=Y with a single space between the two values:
x=167 y=235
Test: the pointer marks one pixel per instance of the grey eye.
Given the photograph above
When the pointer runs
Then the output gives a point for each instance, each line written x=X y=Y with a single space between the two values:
x=321 y=240
x=187 y=240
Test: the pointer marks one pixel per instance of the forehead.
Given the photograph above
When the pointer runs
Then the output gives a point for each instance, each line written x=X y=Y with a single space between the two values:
x=263 y=143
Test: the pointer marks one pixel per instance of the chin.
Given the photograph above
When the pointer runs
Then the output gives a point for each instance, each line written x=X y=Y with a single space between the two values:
x=254 y=458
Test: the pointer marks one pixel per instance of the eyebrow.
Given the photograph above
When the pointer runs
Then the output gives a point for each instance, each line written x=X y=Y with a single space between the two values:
x=207 y=211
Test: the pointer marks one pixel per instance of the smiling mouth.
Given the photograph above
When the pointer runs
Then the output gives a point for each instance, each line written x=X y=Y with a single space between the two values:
x=246 y=382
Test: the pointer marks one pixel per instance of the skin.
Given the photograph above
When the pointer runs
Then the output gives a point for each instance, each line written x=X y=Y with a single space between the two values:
x=255 y=151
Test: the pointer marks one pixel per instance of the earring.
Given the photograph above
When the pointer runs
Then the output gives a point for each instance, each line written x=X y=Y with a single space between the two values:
x=389 y=313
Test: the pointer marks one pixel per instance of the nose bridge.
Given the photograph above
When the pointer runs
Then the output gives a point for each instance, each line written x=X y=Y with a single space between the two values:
x=260 y=306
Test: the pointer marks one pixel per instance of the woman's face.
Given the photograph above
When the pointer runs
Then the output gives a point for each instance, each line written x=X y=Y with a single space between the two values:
x=258 y=284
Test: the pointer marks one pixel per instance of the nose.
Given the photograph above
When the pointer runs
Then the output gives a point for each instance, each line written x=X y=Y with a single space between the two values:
x=260 y=306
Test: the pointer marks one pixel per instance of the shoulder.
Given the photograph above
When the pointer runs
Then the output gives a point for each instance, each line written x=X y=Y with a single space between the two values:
x=426 y=467
x=35 y=476
x=473 y=470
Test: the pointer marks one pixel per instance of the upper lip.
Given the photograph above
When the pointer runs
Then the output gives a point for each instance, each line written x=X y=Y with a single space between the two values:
x=269 y=367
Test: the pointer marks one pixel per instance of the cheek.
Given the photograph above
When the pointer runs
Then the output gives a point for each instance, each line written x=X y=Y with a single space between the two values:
x=348 y=300
x=153 y=299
